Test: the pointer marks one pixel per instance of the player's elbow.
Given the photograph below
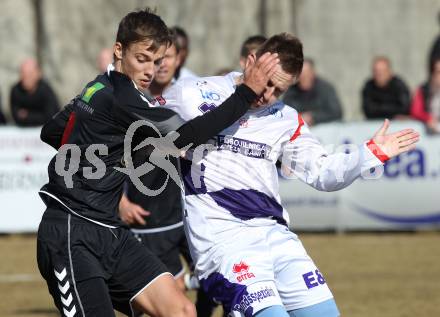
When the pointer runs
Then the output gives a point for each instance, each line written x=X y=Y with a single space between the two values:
x=47 y=137
x=44 y=135
x=332 y=185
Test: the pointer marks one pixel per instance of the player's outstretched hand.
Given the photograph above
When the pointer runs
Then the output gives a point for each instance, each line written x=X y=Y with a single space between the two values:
x=131 y=213
x=258 y=71
x=393 y=144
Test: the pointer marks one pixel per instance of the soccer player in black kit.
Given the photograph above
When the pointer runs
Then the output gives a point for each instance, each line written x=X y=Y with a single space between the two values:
x=91 y=262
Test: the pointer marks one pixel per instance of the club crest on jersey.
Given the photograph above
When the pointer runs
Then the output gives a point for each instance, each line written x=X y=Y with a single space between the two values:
x=275 y=111
x=201 y=83
x=244 y=123
x=161 y=100
x=241 y=271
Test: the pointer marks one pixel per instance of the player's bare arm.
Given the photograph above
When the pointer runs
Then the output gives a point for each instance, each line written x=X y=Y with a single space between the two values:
x=393 y=144
x=132 y=213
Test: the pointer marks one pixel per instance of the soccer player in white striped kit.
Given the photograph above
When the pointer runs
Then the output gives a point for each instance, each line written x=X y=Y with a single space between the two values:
x=245 y=255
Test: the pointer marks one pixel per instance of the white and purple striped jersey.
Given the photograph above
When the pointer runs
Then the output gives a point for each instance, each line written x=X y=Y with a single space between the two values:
x=233 y=180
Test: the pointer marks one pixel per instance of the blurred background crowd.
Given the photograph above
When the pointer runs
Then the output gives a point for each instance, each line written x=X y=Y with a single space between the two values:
x=365 y=60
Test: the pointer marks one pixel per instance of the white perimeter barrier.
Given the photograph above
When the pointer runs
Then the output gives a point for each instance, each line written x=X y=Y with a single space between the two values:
x=407 y=195
x=23 y=170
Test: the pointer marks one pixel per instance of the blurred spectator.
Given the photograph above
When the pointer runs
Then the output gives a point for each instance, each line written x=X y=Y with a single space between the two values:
x=183 y=47
x=385 y=95
x=425 y=105
x=313 y=97
x=223 y=71
x=434 y=53
x=105 y=57
x=165 y=75
x=33 y=101
x=250 y=46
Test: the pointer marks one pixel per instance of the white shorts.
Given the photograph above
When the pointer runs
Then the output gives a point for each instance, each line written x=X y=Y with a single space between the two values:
x=252 y=268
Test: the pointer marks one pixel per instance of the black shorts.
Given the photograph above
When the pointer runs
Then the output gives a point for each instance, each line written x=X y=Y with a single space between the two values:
x=91 y=269
x=168 y=246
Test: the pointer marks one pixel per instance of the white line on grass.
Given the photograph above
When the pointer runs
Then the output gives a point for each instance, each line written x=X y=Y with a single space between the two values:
x=16 y=278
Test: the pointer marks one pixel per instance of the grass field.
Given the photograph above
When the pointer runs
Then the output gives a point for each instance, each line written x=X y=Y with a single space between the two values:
x=374 y=274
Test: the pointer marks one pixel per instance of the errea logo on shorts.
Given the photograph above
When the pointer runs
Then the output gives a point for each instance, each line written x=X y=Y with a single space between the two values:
x=242 y=271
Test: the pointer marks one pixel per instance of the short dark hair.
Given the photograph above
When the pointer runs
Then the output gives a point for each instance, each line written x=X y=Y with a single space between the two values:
x=251 y=43
x=432 y=64
x=174 y=41
x=180 y=33
x=289 y=49
x=142 y=25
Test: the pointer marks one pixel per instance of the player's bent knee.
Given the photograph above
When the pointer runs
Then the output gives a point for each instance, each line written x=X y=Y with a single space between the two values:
x=162 y=298
x=327 y=308
x=189 y=310
x=184 y=309
x=180 y=283
x=272 y=311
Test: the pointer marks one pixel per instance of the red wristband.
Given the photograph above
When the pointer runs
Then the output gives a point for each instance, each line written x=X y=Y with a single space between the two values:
x=375 y=149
